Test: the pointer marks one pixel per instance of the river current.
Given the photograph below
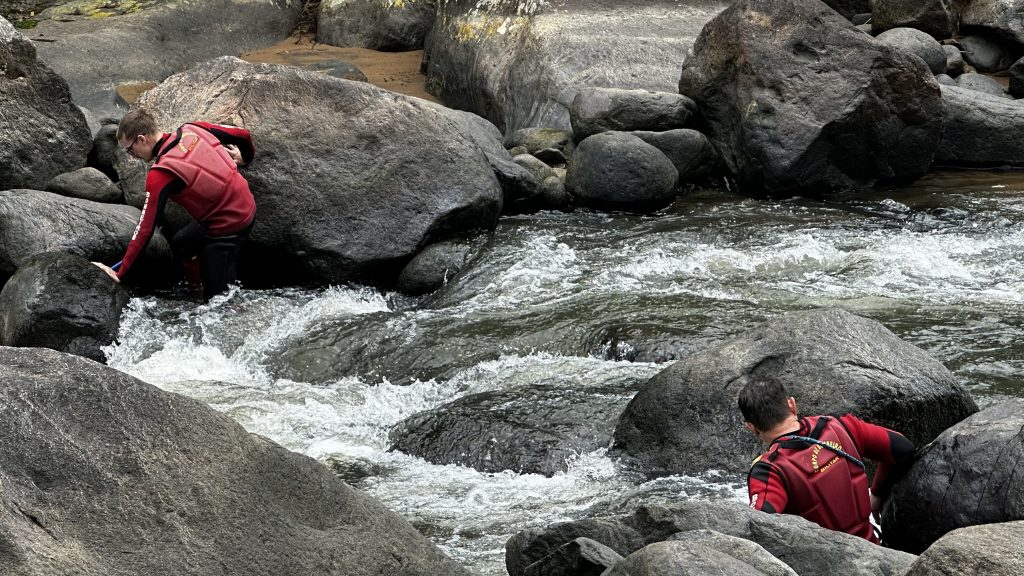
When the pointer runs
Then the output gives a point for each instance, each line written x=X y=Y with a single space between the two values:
x=566 y=300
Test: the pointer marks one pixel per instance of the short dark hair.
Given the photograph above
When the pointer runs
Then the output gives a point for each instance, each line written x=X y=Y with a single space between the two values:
x=764 y=402
x=136 y=122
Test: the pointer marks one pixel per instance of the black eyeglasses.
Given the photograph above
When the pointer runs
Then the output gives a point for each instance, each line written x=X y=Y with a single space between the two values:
x=131 y=145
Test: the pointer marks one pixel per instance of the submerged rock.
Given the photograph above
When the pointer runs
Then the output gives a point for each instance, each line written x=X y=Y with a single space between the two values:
x=42 y=132
x=685 y=419
x=97 y=464
x=969 y=475
x=799 y=102
x=537 y=430
x=62 y=302
x=381 y=176
x=434 y=266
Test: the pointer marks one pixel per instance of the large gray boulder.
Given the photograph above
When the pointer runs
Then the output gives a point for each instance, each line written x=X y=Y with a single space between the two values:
x=433 y=267
x=690 y=151
x=988 y=54
x=685 y=419
x=954 y=60
x=62 y=302
x=741 y=549
x=42 y=132
x=797 y=542
x=936 y=17
x=581 y=557
x=596 y=110
x=969 y=475
x=981 y=130
x=918 y=43
x=87 y=184
x=980 y=83
x=799 y=102
x=106 y=475
x=680 y=558
x=350 y=180
x=149 y=41
x=618 y=171
x=520 y=63
x=33 y=222
x=390 y=25
x=537 y=430
x=1001 y=18
x=545 y=546
x=521 y=188
x=989 y=549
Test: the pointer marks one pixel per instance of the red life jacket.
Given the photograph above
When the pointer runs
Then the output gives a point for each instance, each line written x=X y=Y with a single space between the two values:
x=215 y=193
x=822 y=485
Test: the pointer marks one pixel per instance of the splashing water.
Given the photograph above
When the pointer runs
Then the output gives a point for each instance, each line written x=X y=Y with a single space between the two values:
x=938 y=264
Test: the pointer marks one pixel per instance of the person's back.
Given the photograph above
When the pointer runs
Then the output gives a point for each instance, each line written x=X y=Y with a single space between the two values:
x=814 y=466
x=820 y=484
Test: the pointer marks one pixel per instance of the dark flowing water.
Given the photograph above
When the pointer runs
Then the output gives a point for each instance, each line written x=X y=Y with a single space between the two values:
x=561 y=299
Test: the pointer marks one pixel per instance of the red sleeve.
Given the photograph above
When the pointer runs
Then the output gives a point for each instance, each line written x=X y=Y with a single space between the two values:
x=887 y=447
x=158 y=181
x=767 y=488
x=232 y=135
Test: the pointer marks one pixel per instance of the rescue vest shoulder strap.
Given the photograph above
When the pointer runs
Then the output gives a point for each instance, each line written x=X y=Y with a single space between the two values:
x=838 y=451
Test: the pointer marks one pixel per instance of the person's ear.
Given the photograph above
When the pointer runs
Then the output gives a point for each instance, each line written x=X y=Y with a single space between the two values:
x=791 y=403
x=750 y=427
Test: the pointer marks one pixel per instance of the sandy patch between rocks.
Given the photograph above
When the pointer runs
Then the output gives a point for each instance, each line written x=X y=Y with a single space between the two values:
x=394 y=71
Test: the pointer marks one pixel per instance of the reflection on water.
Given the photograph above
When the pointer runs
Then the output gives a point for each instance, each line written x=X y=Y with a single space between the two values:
x=561 y=299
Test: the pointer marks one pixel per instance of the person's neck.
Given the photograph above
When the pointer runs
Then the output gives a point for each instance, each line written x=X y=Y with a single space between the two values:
x=787 y=426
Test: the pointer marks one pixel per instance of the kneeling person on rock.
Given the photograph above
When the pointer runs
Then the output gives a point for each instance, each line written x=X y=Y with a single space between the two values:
x=197 y=167
x=814 y=465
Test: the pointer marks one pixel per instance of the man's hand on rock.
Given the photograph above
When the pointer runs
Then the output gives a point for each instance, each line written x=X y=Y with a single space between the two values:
x=110 y=271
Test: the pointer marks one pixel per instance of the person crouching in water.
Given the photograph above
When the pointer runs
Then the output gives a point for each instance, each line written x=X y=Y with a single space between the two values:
x=814 y=465
x=197 y=167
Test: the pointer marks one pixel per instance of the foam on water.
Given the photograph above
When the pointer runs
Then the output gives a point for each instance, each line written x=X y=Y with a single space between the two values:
x=546 y=265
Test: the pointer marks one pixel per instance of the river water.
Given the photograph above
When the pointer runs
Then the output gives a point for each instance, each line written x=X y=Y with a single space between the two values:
x=565 y=300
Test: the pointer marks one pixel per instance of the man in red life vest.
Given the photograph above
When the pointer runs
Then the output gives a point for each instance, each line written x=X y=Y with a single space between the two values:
x=197 y=167
x=814 y=465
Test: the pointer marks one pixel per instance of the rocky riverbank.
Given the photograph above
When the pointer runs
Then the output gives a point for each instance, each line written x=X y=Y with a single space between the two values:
x=556 y=105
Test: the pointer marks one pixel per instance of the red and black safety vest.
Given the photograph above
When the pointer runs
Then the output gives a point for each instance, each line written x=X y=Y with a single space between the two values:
x=825 y=478
x=215 y=193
